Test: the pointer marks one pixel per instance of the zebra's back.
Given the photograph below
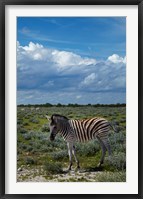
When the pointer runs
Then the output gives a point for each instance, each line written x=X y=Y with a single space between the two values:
x=88 y=129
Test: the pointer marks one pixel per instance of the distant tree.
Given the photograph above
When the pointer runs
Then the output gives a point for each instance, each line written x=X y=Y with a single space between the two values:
x=59 y=105
x=48 y=105
x=21 y=105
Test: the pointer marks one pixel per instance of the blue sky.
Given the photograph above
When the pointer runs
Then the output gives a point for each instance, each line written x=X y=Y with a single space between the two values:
x=71 y=60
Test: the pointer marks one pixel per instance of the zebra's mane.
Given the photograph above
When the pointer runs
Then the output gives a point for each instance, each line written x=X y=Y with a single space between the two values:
x=58 y=116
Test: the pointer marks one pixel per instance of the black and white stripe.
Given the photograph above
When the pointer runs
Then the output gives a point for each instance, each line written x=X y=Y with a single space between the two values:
x=81 y=131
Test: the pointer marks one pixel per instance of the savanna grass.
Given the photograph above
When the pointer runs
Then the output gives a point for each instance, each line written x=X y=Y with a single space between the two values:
x=53 y=167
x=33 y=139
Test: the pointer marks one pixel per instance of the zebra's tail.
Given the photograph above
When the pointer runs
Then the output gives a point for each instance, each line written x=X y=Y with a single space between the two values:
x=114 y=126
x=116 y=130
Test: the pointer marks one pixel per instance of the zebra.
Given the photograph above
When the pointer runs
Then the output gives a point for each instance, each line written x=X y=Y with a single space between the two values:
x=73 y=130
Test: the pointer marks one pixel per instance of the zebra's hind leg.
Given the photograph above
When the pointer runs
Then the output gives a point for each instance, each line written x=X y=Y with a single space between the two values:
x=108 y=148
x=74 y=153
x=103 y=148
x=107 y=145
x=70 y=147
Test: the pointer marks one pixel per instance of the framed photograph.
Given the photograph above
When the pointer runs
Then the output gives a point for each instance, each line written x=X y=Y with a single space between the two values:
x=71 y=99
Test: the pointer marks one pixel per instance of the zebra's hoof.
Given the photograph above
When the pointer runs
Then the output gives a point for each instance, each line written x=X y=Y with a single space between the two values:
x=78 y=167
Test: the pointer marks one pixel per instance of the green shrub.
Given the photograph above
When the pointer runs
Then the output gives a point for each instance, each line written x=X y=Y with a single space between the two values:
x=117 y=160
x=29 y=148
x=45 y=128
x=25 y=123
x=33 y=120
x=59 y=155
x=30 y=160
x=88 y=149
x=27 y=136
x=19 y=121
x=53 y=167
x=21 y=130
x=22 y=146
x=111 y=177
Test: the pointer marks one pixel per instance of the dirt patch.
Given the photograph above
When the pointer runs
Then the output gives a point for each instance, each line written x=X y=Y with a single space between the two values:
x=38 y=175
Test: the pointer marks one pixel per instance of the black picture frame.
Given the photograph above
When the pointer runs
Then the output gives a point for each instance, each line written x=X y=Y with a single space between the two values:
x=3 y=3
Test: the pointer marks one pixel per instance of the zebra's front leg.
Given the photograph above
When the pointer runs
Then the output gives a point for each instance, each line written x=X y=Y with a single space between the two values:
x=74 y=153
x=70 y=147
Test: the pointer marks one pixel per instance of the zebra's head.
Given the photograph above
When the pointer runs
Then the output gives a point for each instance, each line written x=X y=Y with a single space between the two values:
x=56 y=125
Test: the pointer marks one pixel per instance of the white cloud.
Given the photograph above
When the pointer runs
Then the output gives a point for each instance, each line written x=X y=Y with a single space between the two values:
x=61 y=59
x=37 y=56
x=120 y=81
x=89 y=79
x=29 y=97
x=52 y=70
x=33 y=52
x=124 y=60
x=64 y=59
x=32 y=47
x=78 y=96
x=48 y=84
x=116 y=59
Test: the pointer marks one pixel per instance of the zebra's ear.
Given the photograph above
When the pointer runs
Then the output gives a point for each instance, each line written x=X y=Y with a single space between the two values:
x=54 y=119
x=48 y=118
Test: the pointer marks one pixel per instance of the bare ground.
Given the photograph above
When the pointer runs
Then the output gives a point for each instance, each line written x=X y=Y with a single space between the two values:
x=27 y=174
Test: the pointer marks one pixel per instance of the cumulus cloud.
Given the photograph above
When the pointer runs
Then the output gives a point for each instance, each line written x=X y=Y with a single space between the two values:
x=43 y=70
x=116 y=59
x=33 y=52
x=89 y=79
x=64 y=59
x=60 y=58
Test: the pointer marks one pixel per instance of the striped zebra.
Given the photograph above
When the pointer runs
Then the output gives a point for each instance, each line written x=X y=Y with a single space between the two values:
x=81 y=131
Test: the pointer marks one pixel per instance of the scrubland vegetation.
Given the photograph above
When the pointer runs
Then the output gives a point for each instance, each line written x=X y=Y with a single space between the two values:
x=38 y=156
